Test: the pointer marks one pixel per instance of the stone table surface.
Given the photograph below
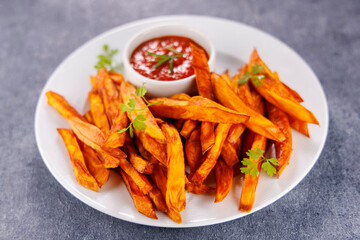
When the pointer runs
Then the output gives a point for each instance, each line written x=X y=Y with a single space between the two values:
x=36 y=35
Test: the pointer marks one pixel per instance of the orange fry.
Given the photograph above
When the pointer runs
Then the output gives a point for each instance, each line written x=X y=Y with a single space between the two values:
x=256 y=122
x=98 y=112
x=283 y=149
x=175 y=186
x=81 y=172
x=141 y=201
x=157 y=198
x=229 y=154
x=62 y=106
x=247 y=198
x=88 y=117
x=116 y=77
x=275 y=93
x=197 y=108
x=152 y=137
x=139 y=163
x=193 y=151
x=299 y=126
x=197 y=189
x=224 y=177
x=210 y=159
x=207 y=136
x=235 y=133
x=108 y=93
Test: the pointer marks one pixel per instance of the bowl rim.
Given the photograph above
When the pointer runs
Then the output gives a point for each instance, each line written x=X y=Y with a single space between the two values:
x=145 y=32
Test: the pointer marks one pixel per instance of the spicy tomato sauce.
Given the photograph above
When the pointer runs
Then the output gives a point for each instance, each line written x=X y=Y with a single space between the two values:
x=144 y=63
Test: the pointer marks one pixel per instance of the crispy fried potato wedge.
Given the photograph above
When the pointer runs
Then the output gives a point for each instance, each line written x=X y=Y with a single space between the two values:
x=158 y=200
x=210 y=159
x=197 y=189
x=138 y=162
x=224 y=177
x=88 y=117
x=94 y=165
x=93 y=82
x=152 y=137
x=283 y=149
x=235 y=133
x=62 y=106
x=144 y=153
x=180 y=96
x=202 y=77
x=116 y=77
x=108 y=93
x=299 y=126
x=188 y=127
x=81 y=172
x=247 y=198
x=98 y=112
x=193 y=151
x=116 y=139
x=202 y=72
x=141 y=201
x=295 y=94
x=175 y=185
x=256 y=122
x=226 y=77
x=197 y=108
x=229 y=154
x=277 y=94
x=160 y=181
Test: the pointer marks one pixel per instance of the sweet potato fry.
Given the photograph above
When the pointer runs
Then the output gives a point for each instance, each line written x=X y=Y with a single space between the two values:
x=209 y=160
x=62 y=106
x=88 y=117
x=197 y=108
x=152 y=137
x=81 y=172
x=160 y=181
x=249 y=185
x=116 y=77
x=299 y=126
x=283 y=149
x=138 y=162
x=275 y=93
x=175 y=186
x=235 y=133
x=94 y=165
x=144 y=153
x=188 y=127
x=193 y=151
x=226 y=77
x=295 y=94
x=116 y=139
x=141 y=201
x=197 y=189
x=256 y=122
x=224 y=177
x=203 y=83
x=108 y=93
x=93 y=82
x=229 y=154
x=158 y=200
x=98 y=112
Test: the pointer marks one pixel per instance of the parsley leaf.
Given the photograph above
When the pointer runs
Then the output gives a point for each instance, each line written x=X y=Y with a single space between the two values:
x=140 y=91
x=257 y=157
x=105 y=60
x=254 y=75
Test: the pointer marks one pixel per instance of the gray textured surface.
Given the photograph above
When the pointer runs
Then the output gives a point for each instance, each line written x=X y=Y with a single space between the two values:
x=35 y=36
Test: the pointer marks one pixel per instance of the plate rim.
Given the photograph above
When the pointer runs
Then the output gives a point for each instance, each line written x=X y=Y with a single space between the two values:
x=161 y=19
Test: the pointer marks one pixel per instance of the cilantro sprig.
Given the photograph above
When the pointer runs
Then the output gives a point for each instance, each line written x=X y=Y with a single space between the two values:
x=139 y=121
x=254 y=75
x=266 y=163
x=105 y=60
x=161 y=59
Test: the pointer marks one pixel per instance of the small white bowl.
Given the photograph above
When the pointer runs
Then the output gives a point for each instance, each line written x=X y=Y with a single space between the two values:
x=157 y=88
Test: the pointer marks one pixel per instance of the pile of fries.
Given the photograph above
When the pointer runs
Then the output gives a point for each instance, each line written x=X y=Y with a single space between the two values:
x=210 y=133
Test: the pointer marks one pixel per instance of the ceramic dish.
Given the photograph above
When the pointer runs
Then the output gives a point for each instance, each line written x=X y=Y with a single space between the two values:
x=233 y=42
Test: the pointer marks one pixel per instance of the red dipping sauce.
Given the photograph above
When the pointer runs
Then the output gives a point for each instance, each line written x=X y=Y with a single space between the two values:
x=144 y=63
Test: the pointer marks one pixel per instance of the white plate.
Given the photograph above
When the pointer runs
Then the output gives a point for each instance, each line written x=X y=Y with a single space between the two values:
x=233 y=42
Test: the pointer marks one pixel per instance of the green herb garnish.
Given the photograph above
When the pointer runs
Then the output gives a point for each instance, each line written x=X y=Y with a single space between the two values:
x=161 y=59
x=254 y=75
x=138 y=121
x=106 y=60
x=266 y=163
